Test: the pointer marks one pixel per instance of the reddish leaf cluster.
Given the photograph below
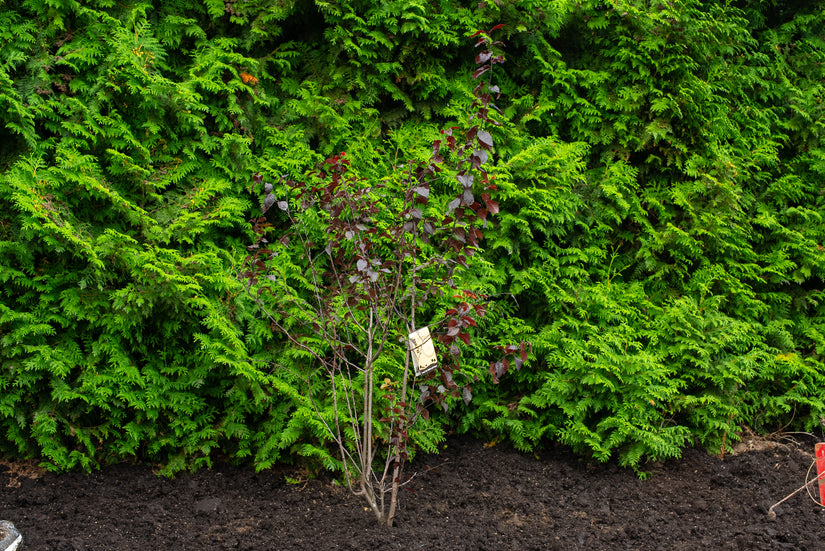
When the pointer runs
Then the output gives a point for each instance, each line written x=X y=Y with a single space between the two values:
x=518 y=353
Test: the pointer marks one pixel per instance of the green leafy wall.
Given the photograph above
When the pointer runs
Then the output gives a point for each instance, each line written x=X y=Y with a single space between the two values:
x=660 y=170
x=665 y=227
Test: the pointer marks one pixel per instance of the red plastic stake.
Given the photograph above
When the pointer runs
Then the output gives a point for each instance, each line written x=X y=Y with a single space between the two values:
x=819 y=451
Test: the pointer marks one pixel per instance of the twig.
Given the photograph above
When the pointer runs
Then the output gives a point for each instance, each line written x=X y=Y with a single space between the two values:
x=772 y=514
x=416 y=473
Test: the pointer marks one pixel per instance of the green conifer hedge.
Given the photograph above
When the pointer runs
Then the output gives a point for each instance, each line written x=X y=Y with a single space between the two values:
x=660 y=170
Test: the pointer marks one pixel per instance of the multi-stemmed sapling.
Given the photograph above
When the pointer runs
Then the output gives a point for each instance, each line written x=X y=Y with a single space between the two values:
x=355 y=272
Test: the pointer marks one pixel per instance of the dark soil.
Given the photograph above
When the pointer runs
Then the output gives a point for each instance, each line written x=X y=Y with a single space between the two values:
x=468 y=497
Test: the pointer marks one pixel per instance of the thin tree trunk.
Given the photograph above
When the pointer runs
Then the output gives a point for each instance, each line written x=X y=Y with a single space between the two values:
x=396 y=476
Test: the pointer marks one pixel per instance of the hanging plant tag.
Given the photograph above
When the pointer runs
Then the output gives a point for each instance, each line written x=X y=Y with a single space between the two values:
x=819 y=450
x=422 y=349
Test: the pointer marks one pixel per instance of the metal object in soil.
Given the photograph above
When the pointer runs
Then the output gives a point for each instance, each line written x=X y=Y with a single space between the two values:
x=10 y=538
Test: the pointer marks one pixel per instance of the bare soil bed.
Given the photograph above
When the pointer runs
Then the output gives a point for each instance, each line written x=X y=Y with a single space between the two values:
x=470 y=496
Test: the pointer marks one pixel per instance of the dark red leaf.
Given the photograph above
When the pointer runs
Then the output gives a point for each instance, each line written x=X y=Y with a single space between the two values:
x=485 y=139
x=447 y=378
x=464 y=336
x=467 y=197
x=484 y=57
x=494 y=372
x=466 y=180
x=269 y=200
x=466 y=395
x=425 y=392
x=500 y=370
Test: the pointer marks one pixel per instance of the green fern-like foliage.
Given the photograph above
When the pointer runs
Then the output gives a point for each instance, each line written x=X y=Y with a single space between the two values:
x=121 y=327
x=660 y=237
x=659 y=241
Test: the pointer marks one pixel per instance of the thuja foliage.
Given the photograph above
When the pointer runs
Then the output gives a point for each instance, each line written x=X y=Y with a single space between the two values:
x=119 y=322
x=666 y=242
x=660 y=222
